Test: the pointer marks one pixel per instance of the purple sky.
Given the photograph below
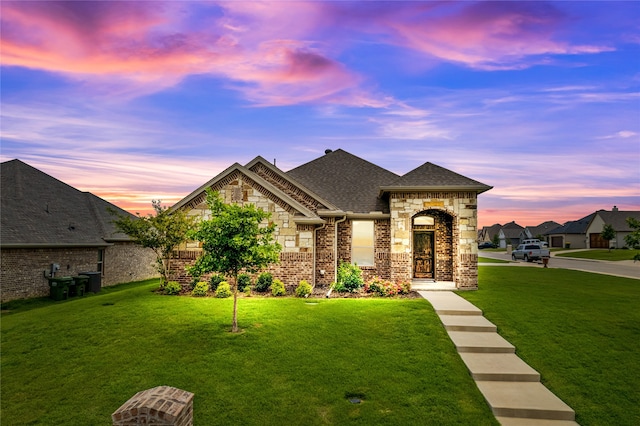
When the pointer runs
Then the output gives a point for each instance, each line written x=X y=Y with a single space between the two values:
x=149 y=100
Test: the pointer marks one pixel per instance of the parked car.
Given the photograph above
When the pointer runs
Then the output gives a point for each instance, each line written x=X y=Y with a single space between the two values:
x=486 y=244
x=530 y=252
x=535 y=241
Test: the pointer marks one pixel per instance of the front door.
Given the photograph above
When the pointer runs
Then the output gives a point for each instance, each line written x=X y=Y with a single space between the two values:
x=423 y=254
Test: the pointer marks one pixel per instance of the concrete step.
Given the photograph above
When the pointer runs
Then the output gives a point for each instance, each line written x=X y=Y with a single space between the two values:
x=503 y=367
x=467 y=323
x=470 y=341
x=517 y=421
x=524 y=400
x=449 y=303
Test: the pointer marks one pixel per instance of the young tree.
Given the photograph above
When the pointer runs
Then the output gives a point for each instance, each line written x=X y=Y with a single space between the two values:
x=608 y=233
x=162 y=233
x=633 y=239
x=234 y=239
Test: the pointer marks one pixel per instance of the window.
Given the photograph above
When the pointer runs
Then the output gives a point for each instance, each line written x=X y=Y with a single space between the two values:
x=362 y=243
x=424 y=220
x=101 y=260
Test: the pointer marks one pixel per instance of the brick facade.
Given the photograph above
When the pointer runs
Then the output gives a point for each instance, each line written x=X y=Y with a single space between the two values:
x=22 y=269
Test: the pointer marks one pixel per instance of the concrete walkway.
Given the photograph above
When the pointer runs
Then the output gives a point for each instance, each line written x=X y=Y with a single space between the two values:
x=510 y=386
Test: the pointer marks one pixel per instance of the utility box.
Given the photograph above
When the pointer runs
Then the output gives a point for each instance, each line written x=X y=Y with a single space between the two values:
x=95 y=281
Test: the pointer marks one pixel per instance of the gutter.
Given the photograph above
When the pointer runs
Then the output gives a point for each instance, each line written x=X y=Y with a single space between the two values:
x=315 y=253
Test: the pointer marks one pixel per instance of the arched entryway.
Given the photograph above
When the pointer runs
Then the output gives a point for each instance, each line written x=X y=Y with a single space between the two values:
x=432 y=246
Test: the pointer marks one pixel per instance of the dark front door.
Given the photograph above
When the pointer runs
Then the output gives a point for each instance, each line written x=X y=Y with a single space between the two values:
x=423 y=255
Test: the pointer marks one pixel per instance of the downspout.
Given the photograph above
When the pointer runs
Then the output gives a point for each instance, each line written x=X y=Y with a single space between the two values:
x=335 y=252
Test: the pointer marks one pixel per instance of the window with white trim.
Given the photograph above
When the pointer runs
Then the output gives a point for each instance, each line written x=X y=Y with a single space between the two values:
x=362 y=243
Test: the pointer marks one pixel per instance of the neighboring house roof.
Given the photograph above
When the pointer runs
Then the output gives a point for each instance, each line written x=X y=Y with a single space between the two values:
x=543 y=228
x=511 y=230
x=617 y=219
x=356 y=185
x=488 y=232
x=39 y=210
x=573 y=227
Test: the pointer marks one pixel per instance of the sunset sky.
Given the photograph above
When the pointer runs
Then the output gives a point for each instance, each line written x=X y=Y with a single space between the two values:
x=136 y=101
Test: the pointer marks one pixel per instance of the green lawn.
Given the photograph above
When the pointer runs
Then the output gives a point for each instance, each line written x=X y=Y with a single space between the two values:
x=602 y=254
x=491 y=260
x=581 y=331
x=77 y=361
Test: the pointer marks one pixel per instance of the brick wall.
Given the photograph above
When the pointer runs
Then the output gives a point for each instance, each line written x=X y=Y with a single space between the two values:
x=22 y=270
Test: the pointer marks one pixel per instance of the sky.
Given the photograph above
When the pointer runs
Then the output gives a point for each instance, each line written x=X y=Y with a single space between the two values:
x=148 y=100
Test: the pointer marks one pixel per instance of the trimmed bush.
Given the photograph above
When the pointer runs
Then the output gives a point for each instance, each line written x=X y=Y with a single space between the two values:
x=383 y=288
x=200 y=289
x=264 y=282
x=172 y=288
x=215 y=280
x=303 y=289
x=224 y=290
x=349 y=278
x=277 y=288
x=244 y=280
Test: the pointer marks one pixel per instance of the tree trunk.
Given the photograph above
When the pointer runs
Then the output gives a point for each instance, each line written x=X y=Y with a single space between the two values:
x=234 y=327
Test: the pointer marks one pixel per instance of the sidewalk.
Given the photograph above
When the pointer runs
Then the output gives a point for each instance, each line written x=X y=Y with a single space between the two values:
x=510 y=386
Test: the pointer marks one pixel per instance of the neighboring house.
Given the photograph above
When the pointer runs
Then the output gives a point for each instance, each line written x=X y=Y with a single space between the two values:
x=341 y=208
x=487 y=233
x=45 y=221
x=570 y=235
x=617 y=219
x=511 y=234
x=541 y=230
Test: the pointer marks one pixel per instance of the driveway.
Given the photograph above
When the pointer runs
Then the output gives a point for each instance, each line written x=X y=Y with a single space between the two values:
x=624 y=268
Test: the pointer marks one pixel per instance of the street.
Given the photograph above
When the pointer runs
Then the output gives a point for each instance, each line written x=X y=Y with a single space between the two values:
x=624 y=268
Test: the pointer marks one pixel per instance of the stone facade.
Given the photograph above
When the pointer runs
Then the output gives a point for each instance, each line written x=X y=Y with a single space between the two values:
x=22 y=269
x=455 y=230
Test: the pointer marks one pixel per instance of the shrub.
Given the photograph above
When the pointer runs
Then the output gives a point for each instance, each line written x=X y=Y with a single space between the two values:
x=277 y=288
x=172 y=287
x=200 y=289
x=349 y=278
x=303 y=289
x=244 y=280
x=264 y=282
x=223 y=290
x=215 y=280
x=383 y=288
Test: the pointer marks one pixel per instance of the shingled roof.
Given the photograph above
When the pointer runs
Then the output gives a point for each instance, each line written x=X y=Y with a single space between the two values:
x=345 y=180
x=356 y=185
x=39 y=210
x=573 y=227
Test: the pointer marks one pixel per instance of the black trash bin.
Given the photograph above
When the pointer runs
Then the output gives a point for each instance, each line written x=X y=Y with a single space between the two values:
x=95 y=281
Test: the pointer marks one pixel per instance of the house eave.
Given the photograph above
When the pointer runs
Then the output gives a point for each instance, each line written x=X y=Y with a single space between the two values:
x=479 y=189
x=52 y=245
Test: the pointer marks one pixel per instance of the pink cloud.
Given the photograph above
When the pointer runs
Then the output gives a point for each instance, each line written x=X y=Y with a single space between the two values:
x=483 y=35
x=143 y=47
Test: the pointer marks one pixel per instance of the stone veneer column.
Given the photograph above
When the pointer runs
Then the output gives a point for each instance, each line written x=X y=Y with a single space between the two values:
x=162 y=405
x=462 y=206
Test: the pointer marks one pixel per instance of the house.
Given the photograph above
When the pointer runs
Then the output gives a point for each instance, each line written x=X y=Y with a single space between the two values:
x=342 y=208
x=511 y=234
x=570 y=235
x=617 y=219
x=586 y=232
x=488 y=233
x=45 y=221
x=541 y=230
